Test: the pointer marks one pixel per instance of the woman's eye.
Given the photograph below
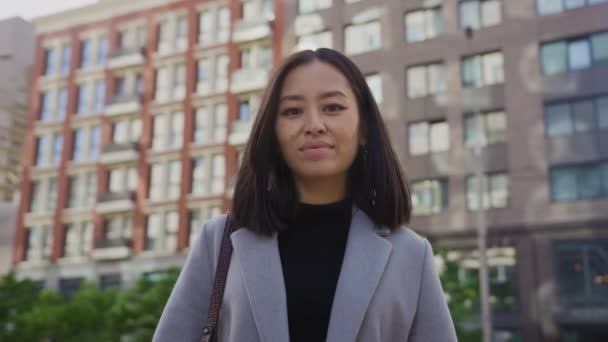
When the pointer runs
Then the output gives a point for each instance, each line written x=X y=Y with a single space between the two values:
x=290 y=111
x=334 y=108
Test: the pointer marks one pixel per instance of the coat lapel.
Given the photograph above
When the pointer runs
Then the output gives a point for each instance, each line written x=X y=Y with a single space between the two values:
x=364 y=262
x=365 y=259
x=263 y=275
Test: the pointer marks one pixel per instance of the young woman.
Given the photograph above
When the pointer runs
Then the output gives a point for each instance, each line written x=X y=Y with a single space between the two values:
x=319 y=251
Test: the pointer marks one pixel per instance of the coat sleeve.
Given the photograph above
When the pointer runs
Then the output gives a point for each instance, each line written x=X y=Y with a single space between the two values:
x=186 y=310
x=432 y=322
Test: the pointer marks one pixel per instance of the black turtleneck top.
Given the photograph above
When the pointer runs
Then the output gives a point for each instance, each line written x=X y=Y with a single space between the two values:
x=312 y=250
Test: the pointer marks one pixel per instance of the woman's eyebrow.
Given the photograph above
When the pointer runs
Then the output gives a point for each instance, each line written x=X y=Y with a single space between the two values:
x=324 y=95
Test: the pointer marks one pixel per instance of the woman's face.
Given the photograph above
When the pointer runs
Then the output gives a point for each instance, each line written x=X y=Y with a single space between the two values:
x=317 y=124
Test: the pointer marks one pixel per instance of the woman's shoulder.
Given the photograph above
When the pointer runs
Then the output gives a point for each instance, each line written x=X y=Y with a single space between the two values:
x=406 y=240
x=211 y=232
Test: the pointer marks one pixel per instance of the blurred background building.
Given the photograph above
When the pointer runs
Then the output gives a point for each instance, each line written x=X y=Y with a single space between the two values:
x=139 y=112
x=16 y=57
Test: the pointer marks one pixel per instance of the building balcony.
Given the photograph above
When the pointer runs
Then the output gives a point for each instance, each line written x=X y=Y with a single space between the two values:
x=119 y=152
x=124 y=104
x=127 y=56
x=111 y=249
x=112 y=202
x=239 y=132
x=250 y=79
x=251 y=29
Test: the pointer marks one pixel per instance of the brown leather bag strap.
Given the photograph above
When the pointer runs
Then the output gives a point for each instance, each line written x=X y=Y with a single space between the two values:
x=221 y=272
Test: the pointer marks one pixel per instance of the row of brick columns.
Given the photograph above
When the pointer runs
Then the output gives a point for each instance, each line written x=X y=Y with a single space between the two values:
x=139 y=219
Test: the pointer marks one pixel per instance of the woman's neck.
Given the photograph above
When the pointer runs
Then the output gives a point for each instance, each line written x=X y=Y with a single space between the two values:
x=321 y=191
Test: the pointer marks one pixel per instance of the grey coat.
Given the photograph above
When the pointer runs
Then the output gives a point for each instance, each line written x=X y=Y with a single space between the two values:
x=388 y=290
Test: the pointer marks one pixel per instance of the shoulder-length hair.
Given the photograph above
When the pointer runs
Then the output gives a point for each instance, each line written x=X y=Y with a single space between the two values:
x=265 y=195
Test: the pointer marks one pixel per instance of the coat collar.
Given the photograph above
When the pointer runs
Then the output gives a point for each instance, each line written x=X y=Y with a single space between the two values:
x=364 y=262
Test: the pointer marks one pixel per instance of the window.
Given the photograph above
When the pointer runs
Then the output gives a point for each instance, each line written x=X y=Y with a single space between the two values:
x=126 y=130
x=210 y=124
x=62 y=103
x=45 y=107
x=57 y=149
x=581 y=273
x=168 y=131
x=256 y=57
x=162 y=84
x=496 y=194
x=429 y=137
x=307 y=6
x=39 y=243
x=579 y=182
x=48 y=149
x=492 y=130
x=86 y=140
x=123 y=179
x=99 y=100
x=423 y=24
x=574 y=54
x=182 y=32
x=480 y=13
x=78 y=145
x=208 y=175
x=221 y=73
x=205 y=24
x=179 y=81
x=118 y=228
x=66 y=59
x=502 y=280
x=223 y=30
x=69 y=286
x=429 y=197
x=78 y=239
x=199 y=216
x=374 y=82
x=108 y=281
x=364 y=37
x=425 y=80
x=86 y=51
x=164 y=36
x=546 y=7
x=43 y=196
x=165 y=181
x=315 y=40
x=82 y=190
x=175 y=177
x=567 y=118
x=102 y=50
x=244 y=111
x=41 y=155
x=203 y=78
x=482 y=70
x=83 y=100
x=49 y=61
x=161 y=232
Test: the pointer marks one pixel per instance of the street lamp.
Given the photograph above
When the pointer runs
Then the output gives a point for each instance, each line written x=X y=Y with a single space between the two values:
x=482 y=230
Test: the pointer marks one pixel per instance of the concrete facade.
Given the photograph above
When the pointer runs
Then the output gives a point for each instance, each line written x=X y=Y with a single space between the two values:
x=532 y=224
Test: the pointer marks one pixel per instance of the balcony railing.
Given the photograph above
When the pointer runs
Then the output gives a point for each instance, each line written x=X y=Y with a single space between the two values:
x=111 y=249
x=124 y=104
x=249 y=79
x=113 y=202
x=126 y=56
x=251 y=29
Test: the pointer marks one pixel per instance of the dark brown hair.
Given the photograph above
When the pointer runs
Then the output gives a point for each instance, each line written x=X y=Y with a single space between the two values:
x=265 y=196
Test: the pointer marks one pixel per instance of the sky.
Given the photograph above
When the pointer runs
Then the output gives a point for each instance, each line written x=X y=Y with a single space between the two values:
x=29 y=9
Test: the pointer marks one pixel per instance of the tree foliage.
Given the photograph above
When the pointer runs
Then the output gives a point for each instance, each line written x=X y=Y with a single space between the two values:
x=91 y=314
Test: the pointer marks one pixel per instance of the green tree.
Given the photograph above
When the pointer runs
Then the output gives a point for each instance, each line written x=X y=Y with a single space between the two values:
x=16 y=297
x=463 y=296
x=27 y=314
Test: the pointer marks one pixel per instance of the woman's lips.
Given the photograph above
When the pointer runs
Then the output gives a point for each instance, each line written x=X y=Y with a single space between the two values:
x=315 y=151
